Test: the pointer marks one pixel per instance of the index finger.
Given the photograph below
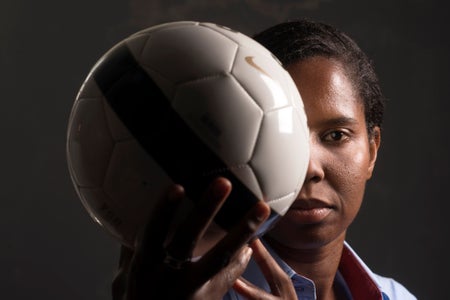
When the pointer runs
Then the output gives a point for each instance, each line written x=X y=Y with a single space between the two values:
x=279 y=282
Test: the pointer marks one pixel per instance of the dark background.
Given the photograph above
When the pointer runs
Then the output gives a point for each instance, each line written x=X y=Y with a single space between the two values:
x=51 y=249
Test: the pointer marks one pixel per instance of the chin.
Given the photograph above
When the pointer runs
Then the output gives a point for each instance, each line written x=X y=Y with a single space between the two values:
x=306 y=236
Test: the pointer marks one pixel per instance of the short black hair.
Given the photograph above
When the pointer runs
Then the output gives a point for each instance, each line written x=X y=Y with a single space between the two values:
x=295 y=41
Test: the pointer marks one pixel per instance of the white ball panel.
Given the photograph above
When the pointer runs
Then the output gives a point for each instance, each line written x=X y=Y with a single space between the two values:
x=263 y=78
x=136 y=44
x=246 y=175
x=279 y=157
x=209 y=106
x=134 y=181
x=295 y=95
x=297 y=103
x=281 y=205
x=102 y=210
x=89 y=143
x=175 y=53
x=239 y=38
x=164 y=26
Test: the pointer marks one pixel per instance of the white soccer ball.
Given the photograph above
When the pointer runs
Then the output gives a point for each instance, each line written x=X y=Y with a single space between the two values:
x=185 y=102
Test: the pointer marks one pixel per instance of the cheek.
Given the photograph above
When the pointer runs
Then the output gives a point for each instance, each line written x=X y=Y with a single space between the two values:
x=350 y=174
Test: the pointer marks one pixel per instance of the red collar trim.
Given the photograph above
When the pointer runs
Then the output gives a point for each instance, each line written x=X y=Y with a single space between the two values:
x=361 y=285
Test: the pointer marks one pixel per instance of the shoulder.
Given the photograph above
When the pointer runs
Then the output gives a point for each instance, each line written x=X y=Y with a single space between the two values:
x=393 y=289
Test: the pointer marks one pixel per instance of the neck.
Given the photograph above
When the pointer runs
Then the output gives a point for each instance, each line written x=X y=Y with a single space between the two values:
x=318 y=264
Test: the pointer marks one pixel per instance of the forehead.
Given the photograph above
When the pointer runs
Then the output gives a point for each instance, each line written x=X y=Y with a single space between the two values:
x=326 y=90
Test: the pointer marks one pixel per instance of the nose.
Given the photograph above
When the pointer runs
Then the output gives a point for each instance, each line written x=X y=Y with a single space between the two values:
x=315 y=171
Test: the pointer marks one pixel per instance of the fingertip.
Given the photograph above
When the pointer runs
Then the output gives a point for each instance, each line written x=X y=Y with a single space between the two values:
x=246 y=254
x=239 y=283
x=258 y=248
x=221 y=187
x=261 y=211
x=223 y=181
x=244 y=288
x=175 y=193
x=256 y=242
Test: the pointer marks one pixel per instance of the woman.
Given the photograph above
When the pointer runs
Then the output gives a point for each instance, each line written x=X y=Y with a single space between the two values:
x=305 y=255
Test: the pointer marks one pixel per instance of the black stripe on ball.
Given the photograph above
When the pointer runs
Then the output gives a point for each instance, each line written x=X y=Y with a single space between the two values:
x=148 y=115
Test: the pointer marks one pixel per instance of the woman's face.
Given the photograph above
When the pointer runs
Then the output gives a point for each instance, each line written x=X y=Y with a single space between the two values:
x=342 y=157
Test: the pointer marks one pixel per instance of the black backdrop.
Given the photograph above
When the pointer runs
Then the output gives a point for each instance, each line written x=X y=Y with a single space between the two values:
x=51 y=249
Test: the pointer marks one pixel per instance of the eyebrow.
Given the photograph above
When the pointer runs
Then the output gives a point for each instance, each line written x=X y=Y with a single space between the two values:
x=338 y=121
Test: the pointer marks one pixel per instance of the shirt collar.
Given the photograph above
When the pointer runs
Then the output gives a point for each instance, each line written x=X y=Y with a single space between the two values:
x=359 y=279
x=354 y=275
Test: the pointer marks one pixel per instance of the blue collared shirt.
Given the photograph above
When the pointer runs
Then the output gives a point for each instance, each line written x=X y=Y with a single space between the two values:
x=353 y=277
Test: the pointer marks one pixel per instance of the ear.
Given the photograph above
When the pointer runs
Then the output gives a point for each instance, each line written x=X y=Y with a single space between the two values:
x=374 y=145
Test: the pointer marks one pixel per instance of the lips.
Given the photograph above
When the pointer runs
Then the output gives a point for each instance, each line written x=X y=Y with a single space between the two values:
x=310 y=211
x=310 y=204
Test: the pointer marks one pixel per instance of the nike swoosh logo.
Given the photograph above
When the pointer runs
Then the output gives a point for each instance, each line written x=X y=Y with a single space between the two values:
x=251 y=62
